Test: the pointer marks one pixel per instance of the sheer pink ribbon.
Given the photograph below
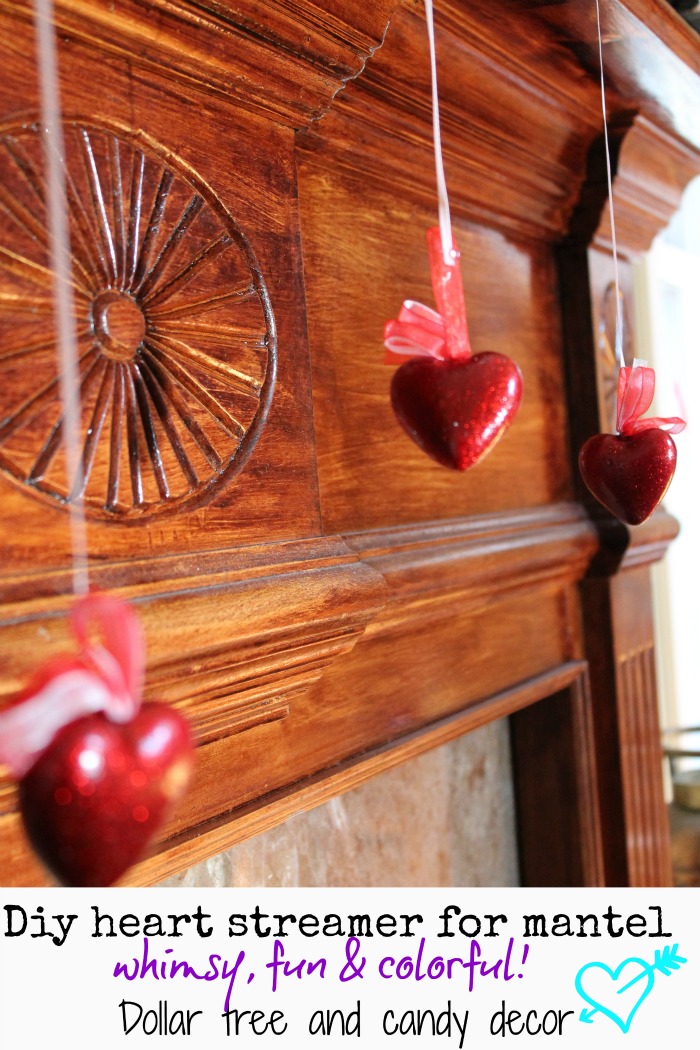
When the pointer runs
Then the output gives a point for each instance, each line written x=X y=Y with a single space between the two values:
x=106 y=676
x=420 y=331
x=635 y=392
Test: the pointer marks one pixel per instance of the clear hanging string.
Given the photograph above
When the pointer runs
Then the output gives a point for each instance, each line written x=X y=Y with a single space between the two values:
x=443 y=202
x=60 y=256
x=619 y=335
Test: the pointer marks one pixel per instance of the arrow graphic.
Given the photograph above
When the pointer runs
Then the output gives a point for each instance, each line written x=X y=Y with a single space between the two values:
x=666 y=962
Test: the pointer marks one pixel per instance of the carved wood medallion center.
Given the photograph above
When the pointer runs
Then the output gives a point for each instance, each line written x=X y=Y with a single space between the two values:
x=119 y=325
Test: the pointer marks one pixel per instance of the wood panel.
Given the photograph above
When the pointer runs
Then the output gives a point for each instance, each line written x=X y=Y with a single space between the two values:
x=275 y=699
x=370 y=473
x=650 y=168
x=219 y=159
x=560 y=839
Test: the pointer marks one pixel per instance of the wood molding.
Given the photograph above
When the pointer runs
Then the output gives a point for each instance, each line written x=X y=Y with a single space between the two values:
x=206 y=840
x=255 y=642
x=654 y=157
x=471 y=558
x=648 y=850
x=650 y=541
x=232 y=648
x=622 y=548
x=555 y=775
x=515 y=157
x=653 y=168
x=509 y=151
x=619 y=644
x=247 y=646
x=262 y=57
x=267 y=812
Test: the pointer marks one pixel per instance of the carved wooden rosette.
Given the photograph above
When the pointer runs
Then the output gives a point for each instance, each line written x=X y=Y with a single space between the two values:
x=175 y=332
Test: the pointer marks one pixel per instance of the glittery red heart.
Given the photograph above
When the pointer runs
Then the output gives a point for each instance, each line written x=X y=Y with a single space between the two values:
x=97 y=795
x=456 y=410
x=629 y=474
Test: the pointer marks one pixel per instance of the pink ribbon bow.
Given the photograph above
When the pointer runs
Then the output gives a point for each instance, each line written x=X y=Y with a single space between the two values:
x=635 y=392
x=102 y=676
x=420 y=331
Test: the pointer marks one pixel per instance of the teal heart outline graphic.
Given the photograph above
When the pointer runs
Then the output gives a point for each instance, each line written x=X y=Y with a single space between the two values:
x=645 y=971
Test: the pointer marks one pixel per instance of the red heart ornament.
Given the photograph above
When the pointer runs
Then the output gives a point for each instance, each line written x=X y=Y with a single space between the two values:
x=456 y=410
x=629 y=473
x=98 y=794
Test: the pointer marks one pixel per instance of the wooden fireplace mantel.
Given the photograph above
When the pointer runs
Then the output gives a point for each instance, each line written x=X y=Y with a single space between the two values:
x=321 y=599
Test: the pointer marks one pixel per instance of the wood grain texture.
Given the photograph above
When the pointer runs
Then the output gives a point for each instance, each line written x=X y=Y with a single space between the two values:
x=221 y=154
x=370 y=473
x=176 y=337
x=271 y=809
x=277 y=697
x=273 y=60
x=650 y=56
x=477 y=556
x=515 y=121
x=556 y=786
x=216 y=646
x=651 y=169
